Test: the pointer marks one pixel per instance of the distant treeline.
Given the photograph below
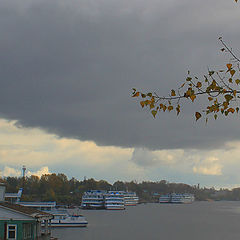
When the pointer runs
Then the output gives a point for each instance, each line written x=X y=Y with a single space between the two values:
x=57 y=187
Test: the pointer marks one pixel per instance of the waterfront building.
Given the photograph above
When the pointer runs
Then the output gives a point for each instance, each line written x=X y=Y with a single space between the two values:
x=41 y=206
x=20 y=223
x=14 y=197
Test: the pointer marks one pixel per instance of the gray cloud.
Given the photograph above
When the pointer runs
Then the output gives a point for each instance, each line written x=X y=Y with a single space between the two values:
x=143 y=157
x=68 y=67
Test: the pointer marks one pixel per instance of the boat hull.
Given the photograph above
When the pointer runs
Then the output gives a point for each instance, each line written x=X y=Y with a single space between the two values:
x=92 y=206
x=62 y=224
x=177 y=198
x=115 y=208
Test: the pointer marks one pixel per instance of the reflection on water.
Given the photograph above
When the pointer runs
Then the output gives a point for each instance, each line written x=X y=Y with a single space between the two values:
x=197 y=221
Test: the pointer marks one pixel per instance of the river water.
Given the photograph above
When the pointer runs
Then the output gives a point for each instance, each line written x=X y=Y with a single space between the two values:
x=197 y=221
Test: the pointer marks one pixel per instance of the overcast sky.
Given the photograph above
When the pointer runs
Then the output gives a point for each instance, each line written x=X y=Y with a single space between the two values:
x=66 y=72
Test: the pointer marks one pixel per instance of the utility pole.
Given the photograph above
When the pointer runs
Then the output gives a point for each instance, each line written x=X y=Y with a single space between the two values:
x=23 y=176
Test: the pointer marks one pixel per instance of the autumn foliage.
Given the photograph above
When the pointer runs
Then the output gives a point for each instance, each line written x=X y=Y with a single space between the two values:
x=219 y=87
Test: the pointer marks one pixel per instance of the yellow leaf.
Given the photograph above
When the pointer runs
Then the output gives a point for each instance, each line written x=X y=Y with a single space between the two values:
x=154 y=112
x=199 y=84
x=237 y=109
x=237 y=81
x=229 y=66
x=152 y=105
x=232 y=72
x=232 y=110
x=225 y=105
x=228 y=97
x=164 y=108
x=153 y=99
x=142 y=103
x=178 y=109
x=147 y=102
x=170 y=108
x=173 y=93
x=193 y=97
x=215 y=116
x=182 y=85
x=234 y=93
x=198 y=115
x=210 y=98
x=136 y=94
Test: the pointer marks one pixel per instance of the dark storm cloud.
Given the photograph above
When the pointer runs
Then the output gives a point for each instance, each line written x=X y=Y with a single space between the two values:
x=69 y=66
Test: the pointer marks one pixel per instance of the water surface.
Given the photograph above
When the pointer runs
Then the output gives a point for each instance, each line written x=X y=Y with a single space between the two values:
x=197 y=221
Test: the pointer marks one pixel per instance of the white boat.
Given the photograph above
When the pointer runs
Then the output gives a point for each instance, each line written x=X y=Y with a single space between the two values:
x=65 y=219
x=93 y=199
x=130 y=199
x=114 y=200
x=165 y=198
x=188 y=198
x=62 y=218
x=177 y=198
x=182 y=198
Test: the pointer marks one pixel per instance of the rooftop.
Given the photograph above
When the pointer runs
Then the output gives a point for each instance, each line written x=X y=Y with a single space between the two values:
x=26 y=210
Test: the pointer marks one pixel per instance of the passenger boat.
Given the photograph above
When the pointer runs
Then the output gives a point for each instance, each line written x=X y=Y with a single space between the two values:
x=114 y=200
x=93 y=199
x=188 y=198
x=130 y=199
x=62 y=217
x=177 y=198
x=165 y=198
x=65 y=219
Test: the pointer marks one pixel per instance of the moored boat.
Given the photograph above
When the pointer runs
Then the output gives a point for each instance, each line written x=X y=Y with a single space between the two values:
x=65 y=219
x=61 y=217
x=93 y=199
x=177 y=198
x=188 y=198
x=165 y=198
x=130 y=199
x=114 y=200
